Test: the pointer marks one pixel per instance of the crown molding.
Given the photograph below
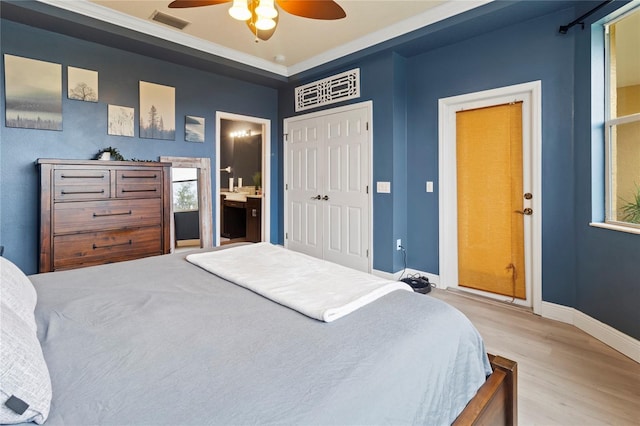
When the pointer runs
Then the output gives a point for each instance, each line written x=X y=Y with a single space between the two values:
x=102 y=13
x=96 y=11
x=431 y=16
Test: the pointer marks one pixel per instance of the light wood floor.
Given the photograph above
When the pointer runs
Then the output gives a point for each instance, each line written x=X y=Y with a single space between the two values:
x=565 y=376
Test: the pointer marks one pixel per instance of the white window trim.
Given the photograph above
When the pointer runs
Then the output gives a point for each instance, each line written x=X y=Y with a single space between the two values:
x=615 y=226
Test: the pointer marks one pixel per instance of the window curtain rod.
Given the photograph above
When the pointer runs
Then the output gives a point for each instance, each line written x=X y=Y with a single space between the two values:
x=580 y=20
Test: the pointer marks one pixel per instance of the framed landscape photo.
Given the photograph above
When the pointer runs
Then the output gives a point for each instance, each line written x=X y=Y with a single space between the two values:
x=82 y=85
x=33 y=93
x=157 y=111
x=193 y=129
x=121 y=121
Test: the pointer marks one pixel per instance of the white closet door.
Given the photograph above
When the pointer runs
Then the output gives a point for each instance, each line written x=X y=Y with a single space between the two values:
x=303 y=179
x=327 y=174
x=346 y=209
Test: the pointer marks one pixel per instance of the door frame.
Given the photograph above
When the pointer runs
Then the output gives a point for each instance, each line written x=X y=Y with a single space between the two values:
x=204 y=196
x=368 y=105
x=530 y=94
x=266 y=171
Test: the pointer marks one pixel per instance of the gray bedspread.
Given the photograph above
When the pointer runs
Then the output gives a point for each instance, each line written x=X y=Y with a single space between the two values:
x=161 y=341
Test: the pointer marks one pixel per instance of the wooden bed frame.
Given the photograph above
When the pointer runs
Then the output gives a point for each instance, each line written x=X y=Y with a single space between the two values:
x=496 y=402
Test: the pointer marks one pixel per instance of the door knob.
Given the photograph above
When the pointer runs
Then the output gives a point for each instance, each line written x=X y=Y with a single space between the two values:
x=317 y=197
x=527 y=212
x=528 y=196
x=326 y=197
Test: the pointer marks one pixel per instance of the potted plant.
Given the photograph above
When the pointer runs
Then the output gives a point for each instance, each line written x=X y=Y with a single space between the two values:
x=109 y=153
x=631 y=210
x=257 y=181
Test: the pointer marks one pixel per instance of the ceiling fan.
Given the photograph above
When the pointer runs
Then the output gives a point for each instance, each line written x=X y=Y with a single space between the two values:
x=261 y=16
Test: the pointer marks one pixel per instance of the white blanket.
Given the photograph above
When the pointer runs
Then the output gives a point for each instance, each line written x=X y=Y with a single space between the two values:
x=314 y=287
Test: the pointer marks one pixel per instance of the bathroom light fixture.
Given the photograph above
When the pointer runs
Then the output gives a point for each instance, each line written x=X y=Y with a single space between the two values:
x=240 y=133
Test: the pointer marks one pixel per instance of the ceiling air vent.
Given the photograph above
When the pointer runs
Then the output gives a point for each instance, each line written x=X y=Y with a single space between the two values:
x=172 y=21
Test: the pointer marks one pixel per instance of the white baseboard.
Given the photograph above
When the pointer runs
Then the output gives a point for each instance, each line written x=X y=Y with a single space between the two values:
x=608 y=335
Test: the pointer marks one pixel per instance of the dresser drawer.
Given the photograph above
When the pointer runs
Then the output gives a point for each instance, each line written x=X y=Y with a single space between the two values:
x=93 y=248
x=139 y=183
x=102 y=215
x=81 y=184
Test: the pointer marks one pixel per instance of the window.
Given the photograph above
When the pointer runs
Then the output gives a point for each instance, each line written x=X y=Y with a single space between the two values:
x=185 y=189
x=622 y=125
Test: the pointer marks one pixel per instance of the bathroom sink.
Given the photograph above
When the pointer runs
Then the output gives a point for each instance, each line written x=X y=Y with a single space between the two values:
x=236 y=196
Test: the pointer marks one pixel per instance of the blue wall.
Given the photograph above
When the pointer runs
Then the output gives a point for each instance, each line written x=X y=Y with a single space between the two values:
x=528 y=51
x=85 y=124
x=608 y=276
x=593 y=270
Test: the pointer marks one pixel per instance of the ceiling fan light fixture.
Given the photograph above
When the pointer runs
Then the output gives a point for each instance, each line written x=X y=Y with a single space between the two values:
x=265 y=24
x=239 y=10
x=266 y=9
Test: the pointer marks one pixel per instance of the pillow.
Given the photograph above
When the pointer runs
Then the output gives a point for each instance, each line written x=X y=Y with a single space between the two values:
x=17 y=291
x=25 y=384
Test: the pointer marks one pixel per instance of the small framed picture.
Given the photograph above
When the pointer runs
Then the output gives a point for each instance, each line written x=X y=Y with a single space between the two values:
x=193 y=129
x=82 y=85
x=157 y=111
x=121 y=120
x=33 y=93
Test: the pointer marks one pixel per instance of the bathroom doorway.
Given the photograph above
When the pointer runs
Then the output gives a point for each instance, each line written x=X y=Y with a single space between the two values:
x=242 y=153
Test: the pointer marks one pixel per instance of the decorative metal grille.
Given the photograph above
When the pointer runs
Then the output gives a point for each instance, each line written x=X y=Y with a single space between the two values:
x=339 y=87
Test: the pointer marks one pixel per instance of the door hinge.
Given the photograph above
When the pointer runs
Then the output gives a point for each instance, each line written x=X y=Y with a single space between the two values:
x=286 y=136
x=286 y=235
x=286 y=186
x=367 y=253
x=367 y=189
x=366 y=126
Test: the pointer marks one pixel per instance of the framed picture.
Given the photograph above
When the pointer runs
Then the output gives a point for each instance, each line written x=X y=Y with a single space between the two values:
x=82 y=85
x=157 y=111
x=33 y=93
x=121 y=120
x=193 y=129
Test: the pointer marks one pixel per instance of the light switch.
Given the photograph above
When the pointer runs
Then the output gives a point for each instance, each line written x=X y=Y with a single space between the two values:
x=429 y=186
x=383 y=187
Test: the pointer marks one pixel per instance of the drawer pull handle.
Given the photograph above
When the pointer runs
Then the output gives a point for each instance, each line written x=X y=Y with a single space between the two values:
x=140 y=177
x=81 y=192
x=140 y=190
x=128 y=243
x=82 y=177
x=112 y=214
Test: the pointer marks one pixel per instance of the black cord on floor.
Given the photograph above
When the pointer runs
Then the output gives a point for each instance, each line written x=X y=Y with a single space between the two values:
x=404 y=258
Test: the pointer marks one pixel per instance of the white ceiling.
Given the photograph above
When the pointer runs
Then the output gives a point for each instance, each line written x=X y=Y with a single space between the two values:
x=299 y=43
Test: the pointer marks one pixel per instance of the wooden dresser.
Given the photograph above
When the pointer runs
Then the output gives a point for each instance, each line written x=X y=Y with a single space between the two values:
x=95 y=212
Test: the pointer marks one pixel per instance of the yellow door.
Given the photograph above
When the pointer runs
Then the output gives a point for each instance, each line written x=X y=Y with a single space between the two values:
x=490 y=200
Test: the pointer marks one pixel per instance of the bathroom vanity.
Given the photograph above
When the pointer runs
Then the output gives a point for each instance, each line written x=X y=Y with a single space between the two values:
x=241 y=216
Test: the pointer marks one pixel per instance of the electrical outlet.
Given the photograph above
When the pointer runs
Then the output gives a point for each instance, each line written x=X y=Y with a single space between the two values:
x=399 y=244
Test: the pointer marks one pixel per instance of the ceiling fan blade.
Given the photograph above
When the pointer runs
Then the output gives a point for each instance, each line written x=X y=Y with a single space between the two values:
x=179 y=4
x=314 y=9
